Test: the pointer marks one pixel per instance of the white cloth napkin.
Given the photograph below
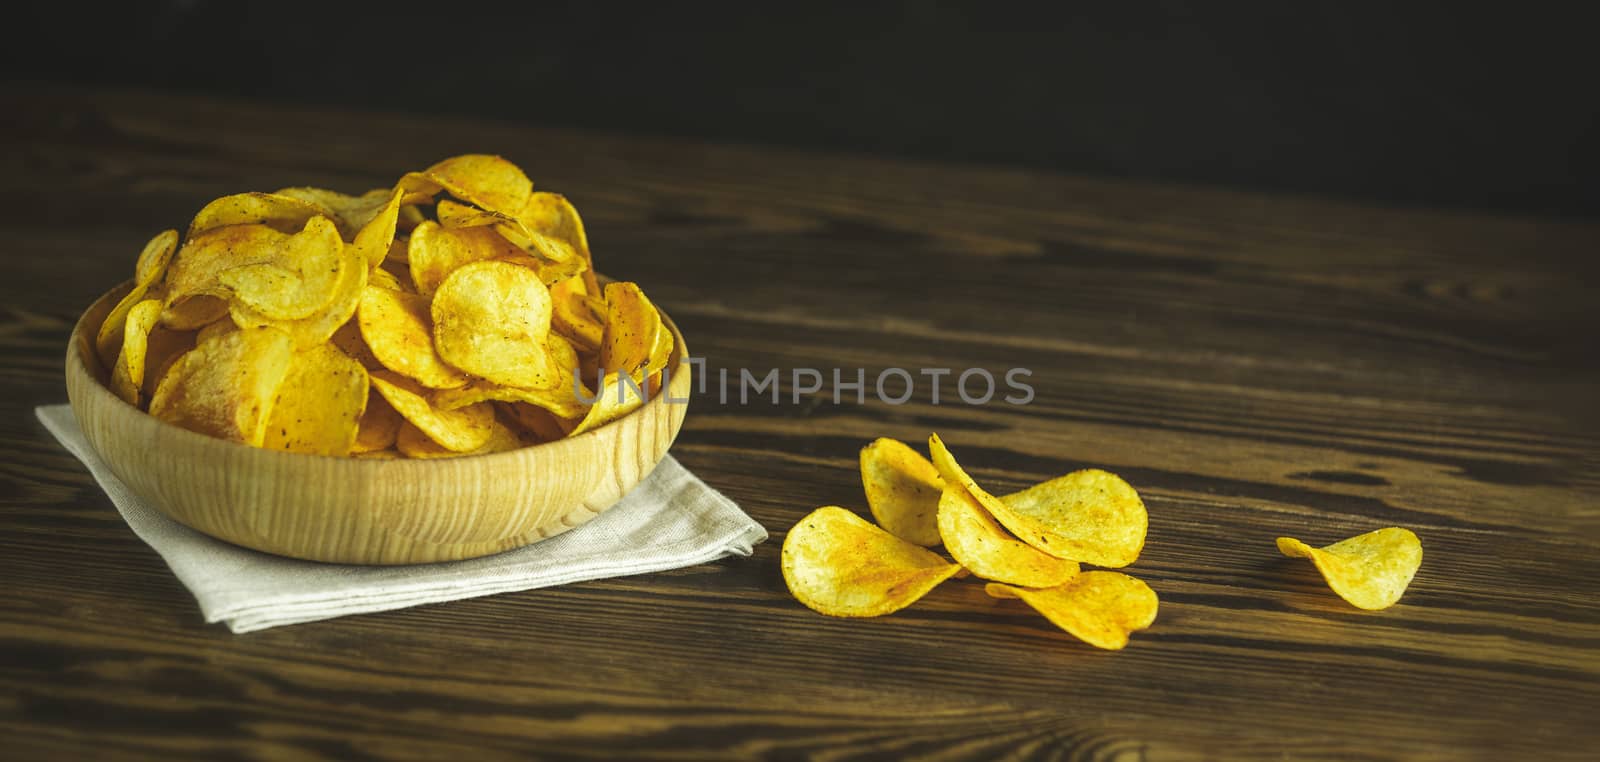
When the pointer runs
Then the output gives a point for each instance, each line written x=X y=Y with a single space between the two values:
x=671 y=520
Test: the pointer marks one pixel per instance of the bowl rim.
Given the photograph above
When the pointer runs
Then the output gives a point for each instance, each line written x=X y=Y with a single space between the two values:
x=81 y=343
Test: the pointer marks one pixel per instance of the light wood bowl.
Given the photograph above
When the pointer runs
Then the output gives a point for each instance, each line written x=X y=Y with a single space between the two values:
x=346 y=510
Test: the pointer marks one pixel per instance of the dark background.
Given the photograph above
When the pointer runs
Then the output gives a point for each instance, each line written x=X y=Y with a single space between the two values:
x=1490 y=109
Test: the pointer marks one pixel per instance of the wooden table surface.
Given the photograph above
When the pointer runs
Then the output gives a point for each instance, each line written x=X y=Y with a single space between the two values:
x=1256 y=366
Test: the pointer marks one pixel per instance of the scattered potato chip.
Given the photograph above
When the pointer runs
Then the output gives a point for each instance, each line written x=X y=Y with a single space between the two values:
x=902 y=491
x=319 y=404
x=296 y=278
x=225 y=386
x=127 y=378
x=283 y=213
x=1090 y=516
x=838 y=564
x=413 y=443
x=1370 y=570
x=462 y=430
x=152 y=265
x=1100 y=608
x=976 y=542
x=379 y=424
x=398 y=332
x=491 y=319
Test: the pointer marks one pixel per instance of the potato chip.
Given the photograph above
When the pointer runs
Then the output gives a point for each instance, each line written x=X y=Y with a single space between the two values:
x=399 y=334
x=540 y=424
x=837 y=563
x=576 y=315
x=127 y=378
x=631 y=326
x=410 y=217
x=196 y=268
x=902 y=491
x=414 y=444
x=283 y=213
x=1090 y=516
x=350 y=213
x=976 y=542
x=375 y=234
x=379 y=424
x=462 y=430
x=617 y=397
x=193 y=312
x=162 y=349
x=320 y=326
x=215 y=328
x=1370 y=570
x=488 y=182
x=561 y=402
x=1100 y=608
x=225 y=386
x=555 y=216
x=491 y=319
x=435 y=252
x=297 y=277
x=319 y=404
x=382 y=278
x=152 y=265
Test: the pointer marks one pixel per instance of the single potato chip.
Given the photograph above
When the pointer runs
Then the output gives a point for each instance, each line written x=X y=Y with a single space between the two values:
x=491 y=319
x=902 y=491
x=375 y=234
x=413 y=443
x=576 y=315
x=127 y=378
x=226 y=385
x=435 y=252
x=380 y=422
x=1090 y=516
x=152 y=265
x=283 y=213
x=488 y=182
x=319 y=404
x=837 y=563
x=319 y=327
x=976 y=542
x=631 y=326
x=298 y=276
x=555 y=216
x=399 y=332
x=1370 y=570
x=1100 y=608
x=462 y=430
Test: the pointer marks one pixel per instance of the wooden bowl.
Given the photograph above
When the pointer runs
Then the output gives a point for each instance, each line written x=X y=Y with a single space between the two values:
x=354 y=511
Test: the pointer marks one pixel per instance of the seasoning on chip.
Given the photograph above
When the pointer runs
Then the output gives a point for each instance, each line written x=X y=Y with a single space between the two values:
x=1370 y=571
x=903 y=490
x=1100 y=608
x=839 y=564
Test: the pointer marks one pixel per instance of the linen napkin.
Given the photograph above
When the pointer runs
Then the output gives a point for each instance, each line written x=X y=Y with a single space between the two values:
x=670 y=520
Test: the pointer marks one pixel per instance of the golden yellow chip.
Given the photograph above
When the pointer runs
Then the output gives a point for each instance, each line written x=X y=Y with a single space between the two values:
x=319 y=327
x=555 y=216
x=576 y=315
x=978 y=543
x=491 y=319
x=1370 y=570
x=319 y=404
x=631 y=326
x=214 y=328
x=197 y=265
x=541 y=425
x=1090 y=516
x=488 y=182
x=293 y=279
x=153 y=262
x=375 y=233
x=414 y=444
x=162 y=349
x=127 y=378
x=1100 y=608
x=226 y=385
x=434 y=252
x=902 y=491
x=837 y=563
x=462 y=430
x=351 y=213
x=283 y=213
x=193 y=312
x=399 y=333
x=560 y=402
x=379 y=425
x=382 y=278
x=617 y=397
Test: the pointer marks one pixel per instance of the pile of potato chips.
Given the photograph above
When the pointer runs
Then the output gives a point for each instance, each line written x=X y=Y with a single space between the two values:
x=1029 y=545
x=455 y=313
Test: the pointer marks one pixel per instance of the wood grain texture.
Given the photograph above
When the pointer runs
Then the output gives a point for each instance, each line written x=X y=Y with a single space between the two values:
x=354 y=511
x=1256 y=366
